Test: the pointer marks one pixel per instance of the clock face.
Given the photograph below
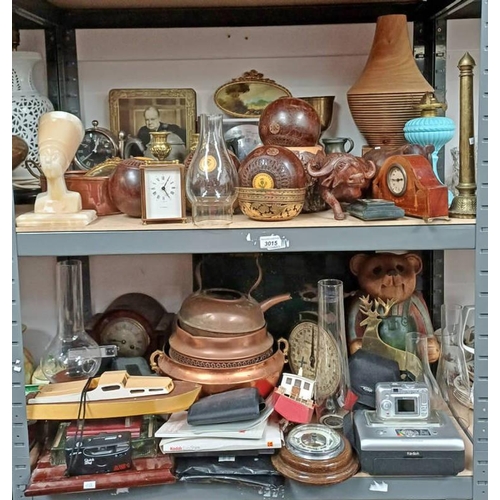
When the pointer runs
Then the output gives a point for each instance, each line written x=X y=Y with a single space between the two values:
x=95 y=148
x=397 y=180
x=324 y=366
x=128 y=335
x=162 y=192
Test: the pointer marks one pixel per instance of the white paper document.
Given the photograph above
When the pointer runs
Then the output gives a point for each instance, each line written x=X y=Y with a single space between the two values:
x=271 y=438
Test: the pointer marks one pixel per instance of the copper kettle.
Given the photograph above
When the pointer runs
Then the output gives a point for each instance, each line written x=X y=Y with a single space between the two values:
x=221 y=311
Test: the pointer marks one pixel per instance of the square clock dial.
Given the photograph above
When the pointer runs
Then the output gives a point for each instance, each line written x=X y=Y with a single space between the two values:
x=163 y=193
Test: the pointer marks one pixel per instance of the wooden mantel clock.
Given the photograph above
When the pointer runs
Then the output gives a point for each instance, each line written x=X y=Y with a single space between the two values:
x=410 y=182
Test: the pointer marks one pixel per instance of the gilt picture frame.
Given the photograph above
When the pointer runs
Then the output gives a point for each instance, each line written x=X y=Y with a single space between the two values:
x=140 y=111
x=248 y=95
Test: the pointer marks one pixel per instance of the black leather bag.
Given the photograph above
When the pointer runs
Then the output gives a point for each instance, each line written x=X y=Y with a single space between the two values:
x=366 y=369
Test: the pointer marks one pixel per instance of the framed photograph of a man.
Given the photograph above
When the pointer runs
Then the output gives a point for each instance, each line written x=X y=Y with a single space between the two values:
x=137 y=112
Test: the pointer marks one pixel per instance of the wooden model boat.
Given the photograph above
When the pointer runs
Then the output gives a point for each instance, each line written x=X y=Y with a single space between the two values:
x=113 y=394
x=293 y=399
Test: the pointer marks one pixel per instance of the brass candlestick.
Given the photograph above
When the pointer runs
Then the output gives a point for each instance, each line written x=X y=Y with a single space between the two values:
x=463 y=205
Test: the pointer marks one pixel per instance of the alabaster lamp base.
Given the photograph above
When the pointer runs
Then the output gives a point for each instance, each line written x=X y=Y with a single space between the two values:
x=78 y=219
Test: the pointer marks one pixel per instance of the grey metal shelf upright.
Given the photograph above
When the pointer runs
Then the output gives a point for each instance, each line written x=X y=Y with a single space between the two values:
x=429 y=43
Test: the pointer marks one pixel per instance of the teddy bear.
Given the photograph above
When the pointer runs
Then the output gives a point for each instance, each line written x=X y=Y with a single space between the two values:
x=389 y=279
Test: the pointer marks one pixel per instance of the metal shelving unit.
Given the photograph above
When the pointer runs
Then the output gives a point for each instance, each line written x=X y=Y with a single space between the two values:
x=62 y=72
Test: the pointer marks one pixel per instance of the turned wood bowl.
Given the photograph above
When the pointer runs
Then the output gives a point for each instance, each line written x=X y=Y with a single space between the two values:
x=20 y=150
x=125 y=186
x=289 y=121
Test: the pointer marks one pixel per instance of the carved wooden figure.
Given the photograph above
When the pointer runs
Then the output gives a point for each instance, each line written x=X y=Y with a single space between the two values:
x=388 y=281
x=342 y=177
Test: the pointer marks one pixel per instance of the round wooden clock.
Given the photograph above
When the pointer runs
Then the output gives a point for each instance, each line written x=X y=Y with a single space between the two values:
x=99 y=144
x=135 y=322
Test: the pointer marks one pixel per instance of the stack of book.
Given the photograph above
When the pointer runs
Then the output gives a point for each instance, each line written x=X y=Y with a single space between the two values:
x=261 y=435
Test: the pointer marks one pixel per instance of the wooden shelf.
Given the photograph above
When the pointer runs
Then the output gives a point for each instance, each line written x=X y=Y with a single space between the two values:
x=121 y=234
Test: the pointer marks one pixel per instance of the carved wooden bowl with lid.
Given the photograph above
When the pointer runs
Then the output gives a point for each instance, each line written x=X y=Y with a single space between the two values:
x=272 y=167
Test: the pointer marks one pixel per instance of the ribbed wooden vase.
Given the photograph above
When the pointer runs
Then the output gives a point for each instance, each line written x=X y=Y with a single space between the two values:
x=386 y=94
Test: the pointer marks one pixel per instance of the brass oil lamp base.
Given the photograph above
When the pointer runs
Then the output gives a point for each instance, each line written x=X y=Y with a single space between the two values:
x=463 y=207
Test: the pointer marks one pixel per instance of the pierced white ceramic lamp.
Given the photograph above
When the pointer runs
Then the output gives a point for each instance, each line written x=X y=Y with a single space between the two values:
x=59 y=135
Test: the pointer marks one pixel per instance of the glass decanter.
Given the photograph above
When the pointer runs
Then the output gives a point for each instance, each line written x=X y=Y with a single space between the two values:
x=212 y=177
x=72 y=354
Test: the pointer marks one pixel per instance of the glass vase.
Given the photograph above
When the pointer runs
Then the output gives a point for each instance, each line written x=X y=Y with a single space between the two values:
x=212 y=178
x=452 y=373
x=72 y=354
x=332 y=370
x=416 y=355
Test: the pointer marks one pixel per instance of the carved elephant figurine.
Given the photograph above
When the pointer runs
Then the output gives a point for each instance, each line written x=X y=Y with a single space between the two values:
x=342 y=177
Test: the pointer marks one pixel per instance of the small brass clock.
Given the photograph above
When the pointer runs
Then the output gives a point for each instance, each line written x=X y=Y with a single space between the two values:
x=163 y=196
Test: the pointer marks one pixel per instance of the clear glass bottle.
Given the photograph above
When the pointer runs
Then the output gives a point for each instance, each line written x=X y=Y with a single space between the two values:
x=332 y=370
x=72 y=354
x=452 y=373
x=212 y=177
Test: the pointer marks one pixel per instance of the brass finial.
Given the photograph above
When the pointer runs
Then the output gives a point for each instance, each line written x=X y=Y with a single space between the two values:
x=429 y=105
x=463 y=206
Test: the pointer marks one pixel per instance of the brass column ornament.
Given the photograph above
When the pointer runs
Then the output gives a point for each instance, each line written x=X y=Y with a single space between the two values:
x=463 y=205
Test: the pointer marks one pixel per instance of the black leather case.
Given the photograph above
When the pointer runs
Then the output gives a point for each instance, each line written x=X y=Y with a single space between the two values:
x=231 y=406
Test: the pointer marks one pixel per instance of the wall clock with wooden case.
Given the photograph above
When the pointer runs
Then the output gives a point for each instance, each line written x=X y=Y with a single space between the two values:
x=135 y=322
x=163 y=196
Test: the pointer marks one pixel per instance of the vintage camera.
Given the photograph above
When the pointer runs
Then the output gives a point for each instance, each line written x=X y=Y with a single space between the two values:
x=402 y=400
